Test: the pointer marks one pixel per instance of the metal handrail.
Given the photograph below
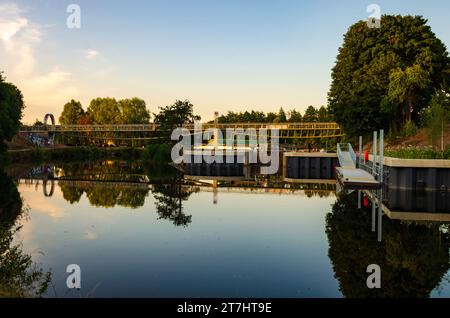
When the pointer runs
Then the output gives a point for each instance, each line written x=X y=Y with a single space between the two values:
x=346 y=147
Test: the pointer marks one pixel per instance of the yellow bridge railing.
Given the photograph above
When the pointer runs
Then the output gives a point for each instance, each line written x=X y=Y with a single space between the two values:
x=155 y=127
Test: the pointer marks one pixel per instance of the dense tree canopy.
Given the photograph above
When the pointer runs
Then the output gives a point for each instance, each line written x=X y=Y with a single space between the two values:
x=281 y=118
x=384 y=76
x=11 y=107
x=133 y=111
x=71 y=113
x=104 y=111
x=311 y=115
x=181 y=112
x=295 y=116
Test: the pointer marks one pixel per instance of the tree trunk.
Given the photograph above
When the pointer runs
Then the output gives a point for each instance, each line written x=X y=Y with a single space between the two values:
x=410 y=107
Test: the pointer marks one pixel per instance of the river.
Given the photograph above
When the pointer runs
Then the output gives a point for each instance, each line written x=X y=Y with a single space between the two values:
x=139 y=231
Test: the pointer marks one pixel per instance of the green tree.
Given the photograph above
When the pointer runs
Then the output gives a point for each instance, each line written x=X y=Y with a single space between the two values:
x=71 y=113
x=281 y=116
x=245 y=117
x=436 y=117
x=310 y=115
x=177 y=114
x=11 y=108
x=295 y=116
x=322 y=115
x=133 y=111
x=405 y=85
x=104 y=111
x=385 y=76
x=271 y=117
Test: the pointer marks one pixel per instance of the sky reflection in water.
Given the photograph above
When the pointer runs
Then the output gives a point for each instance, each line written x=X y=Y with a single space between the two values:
x=170 y=240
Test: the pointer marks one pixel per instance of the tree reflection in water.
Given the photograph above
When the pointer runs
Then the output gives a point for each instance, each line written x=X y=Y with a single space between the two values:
x=124 y=188
x=413 y=257
x=120 y=191
x=169 y=194
x=19 y=276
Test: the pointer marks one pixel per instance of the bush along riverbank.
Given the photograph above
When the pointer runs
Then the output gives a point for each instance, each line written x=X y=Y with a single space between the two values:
x=37 y=155
x=157 y=153
x=417 y=153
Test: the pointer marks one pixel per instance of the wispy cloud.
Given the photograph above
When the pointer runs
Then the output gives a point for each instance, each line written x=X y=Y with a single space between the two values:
x=91 y=54
x=20 y=37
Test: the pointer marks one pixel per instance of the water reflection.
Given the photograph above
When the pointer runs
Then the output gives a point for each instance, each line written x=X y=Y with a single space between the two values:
x=413 y=253
x=113 y=183
x=169 y=201
x=19 y=276
x=414 y=257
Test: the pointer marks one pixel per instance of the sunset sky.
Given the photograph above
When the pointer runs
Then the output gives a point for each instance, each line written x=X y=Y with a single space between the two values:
x=221 y=55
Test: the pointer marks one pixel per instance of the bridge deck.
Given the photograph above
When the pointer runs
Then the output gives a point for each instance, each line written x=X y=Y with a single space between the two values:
x=155 y=127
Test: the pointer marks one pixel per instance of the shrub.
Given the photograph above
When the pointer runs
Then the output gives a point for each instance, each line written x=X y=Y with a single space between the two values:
x=157 y=153
x=417 y=153
x=409 y=130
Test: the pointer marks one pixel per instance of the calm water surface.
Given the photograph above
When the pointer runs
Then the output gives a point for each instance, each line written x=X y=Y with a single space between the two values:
x=137 y=234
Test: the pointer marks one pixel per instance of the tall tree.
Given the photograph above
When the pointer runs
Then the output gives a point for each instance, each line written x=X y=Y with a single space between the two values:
x=181 y=112
x=133 y=111
x=384 y=76
x=71 y=113
x=271 y=117
x=322 y=115
x=295 y=116
x=310 y=114
x=104 y=111
x=281 y=117
x=11 y=108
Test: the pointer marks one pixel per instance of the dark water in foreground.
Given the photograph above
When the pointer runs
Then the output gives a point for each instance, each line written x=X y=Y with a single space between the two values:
x=137 y=232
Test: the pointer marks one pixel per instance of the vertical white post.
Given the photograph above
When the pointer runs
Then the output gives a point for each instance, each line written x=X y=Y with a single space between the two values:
x=360 y=150
x=374 y=205
x=380 y=217
x=381 y=155
x=374 y=161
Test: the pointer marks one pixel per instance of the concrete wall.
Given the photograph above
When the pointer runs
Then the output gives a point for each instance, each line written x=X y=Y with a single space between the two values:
x=214 y=170
x=313 y=167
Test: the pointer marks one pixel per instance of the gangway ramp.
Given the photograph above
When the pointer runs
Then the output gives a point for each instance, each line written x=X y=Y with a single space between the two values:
x=348 y=175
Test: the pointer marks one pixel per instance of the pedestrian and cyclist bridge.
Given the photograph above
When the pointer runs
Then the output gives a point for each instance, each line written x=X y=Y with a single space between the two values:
x=304 y=130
